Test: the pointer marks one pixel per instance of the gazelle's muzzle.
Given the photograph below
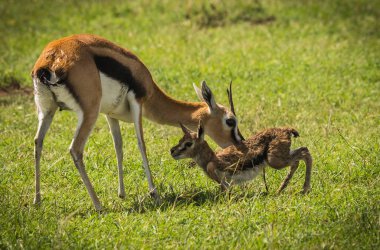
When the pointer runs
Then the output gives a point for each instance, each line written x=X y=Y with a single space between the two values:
x=174 y=152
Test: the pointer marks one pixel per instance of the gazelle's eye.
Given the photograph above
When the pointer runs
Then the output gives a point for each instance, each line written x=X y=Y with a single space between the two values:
x=188 y=144
x=231 y=122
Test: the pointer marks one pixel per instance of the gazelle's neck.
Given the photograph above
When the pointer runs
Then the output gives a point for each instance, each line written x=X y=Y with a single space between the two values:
x=204 y=156
x=163 y=109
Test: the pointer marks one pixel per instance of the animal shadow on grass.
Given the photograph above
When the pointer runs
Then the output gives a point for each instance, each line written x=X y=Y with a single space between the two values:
x=171 y=200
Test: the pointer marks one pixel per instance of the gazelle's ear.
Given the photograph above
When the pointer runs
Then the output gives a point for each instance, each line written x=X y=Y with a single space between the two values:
x=201 y=131
x=199 y=92
x=208 y=96
x=184 y=129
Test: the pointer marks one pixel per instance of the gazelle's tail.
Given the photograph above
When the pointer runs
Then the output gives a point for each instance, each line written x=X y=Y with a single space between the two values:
x=292 y=131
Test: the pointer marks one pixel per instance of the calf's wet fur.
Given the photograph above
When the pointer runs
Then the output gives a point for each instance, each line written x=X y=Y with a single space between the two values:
x=244 y=161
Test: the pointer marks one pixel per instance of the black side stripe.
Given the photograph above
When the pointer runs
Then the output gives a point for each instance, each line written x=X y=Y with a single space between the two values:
x=121 y=73
x=259 y=159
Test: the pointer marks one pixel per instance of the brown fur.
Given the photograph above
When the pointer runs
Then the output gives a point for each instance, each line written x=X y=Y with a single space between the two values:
x=270 y=146
x=76 y=63
x=69 y=56
x=66 y=54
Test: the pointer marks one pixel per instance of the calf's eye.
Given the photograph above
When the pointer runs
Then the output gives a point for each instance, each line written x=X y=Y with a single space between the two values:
x=188 y=144
x=231 y=122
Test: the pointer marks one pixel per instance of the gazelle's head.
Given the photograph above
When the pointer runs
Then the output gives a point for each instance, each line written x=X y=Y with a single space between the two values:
x=190 y=145
x=221 y=123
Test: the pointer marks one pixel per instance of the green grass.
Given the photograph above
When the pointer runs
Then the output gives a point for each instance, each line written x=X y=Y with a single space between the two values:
x=316 y=67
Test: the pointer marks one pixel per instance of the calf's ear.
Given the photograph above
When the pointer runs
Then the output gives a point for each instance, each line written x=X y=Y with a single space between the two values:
x=185 y=130
x=201 y=131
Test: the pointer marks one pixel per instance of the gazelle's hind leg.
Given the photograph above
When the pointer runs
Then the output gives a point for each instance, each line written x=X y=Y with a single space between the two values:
x=46 y=107
x=84 y=128
x=295 y=156
x=118 y=144
x=44 y=121
x=136 y=111
x=87 y=94
x=293 y=168
x=309 y=162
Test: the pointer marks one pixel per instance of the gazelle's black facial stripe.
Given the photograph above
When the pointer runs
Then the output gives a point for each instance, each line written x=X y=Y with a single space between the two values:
x=235 y=134
x=185 y=146
x=181 y=149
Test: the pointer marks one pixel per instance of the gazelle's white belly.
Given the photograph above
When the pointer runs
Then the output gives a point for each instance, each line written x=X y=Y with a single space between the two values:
x=240 y=177
x=114 y=100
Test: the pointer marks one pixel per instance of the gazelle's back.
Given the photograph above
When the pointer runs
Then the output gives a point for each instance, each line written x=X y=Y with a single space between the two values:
x=253 y=151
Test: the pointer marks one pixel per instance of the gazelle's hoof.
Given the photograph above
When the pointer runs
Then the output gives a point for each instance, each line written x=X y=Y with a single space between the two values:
x=121 y=194
x=154 y=194
x=98 y=208
x=264 y=193
x=37 y=200
x=306 y=190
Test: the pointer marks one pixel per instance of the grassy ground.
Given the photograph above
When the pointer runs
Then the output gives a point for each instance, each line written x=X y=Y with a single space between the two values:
x=313 y=65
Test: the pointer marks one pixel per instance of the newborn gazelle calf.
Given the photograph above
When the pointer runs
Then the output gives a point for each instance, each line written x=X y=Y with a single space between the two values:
x=243 y=162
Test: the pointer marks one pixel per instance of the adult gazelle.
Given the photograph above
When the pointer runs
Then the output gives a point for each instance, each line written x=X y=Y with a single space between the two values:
x=90 y=75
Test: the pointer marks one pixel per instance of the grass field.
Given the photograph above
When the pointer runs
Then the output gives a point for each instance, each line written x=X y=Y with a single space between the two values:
x=312 y=65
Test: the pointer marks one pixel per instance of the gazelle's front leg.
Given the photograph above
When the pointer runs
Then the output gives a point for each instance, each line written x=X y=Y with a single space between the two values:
x=118 y=143
x=44 y=121
x=217 y=176
x=136 y=111
x=84 y=128
x=265 y=180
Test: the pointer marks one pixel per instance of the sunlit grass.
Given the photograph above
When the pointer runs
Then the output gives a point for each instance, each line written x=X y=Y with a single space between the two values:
x=315 y=67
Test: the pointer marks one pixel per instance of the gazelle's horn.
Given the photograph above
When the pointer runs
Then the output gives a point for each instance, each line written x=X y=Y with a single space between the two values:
x=229 y=93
